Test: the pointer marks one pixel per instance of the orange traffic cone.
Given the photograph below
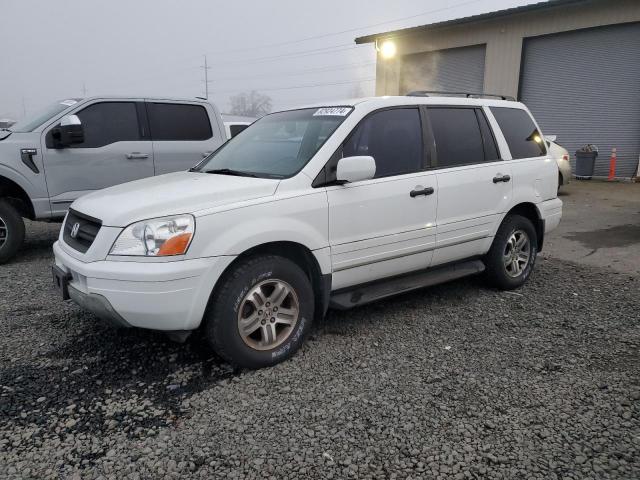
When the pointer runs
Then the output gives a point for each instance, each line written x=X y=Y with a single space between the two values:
x=612 y=165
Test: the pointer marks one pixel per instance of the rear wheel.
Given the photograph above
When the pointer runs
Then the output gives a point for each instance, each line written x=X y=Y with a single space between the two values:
x=261 y=312
x=560 y=181
x=11 y=231
x=513 y=253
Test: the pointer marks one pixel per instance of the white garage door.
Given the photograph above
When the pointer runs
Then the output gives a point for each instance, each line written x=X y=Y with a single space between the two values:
x=451 y=70
x=584 y=86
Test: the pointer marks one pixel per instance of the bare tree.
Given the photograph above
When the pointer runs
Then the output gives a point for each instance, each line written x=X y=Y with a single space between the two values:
x=250 y=104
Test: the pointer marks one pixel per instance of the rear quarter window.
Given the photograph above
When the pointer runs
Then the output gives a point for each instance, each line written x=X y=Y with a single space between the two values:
x=522 y=136
x=176 y=121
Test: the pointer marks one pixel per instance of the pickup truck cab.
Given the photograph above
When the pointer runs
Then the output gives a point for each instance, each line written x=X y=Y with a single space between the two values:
x=77 y=146
x=336 y=204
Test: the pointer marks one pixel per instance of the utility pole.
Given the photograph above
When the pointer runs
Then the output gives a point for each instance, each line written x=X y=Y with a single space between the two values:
x=206 y=69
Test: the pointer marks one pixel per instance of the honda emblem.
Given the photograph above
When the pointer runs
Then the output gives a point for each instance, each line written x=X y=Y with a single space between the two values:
x=74 y=230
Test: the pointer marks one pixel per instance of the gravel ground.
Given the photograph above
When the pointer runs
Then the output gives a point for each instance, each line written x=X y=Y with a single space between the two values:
x=457 y=381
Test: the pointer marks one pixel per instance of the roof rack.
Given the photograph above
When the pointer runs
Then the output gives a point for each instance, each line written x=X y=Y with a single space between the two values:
x=428 y=93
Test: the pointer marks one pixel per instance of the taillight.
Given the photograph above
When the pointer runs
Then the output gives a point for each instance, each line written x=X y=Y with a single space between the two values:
x=565 y=157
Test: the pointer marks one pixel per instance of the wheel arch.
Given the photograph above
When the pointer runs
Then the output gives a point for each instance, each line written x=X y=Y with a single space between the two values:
x=17 y=196
x=530 y=211
x=298 y=254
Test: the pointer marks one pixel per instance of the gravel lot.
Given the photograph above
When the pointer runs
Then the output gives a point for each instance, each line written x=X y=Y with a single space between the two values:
x=457 y=381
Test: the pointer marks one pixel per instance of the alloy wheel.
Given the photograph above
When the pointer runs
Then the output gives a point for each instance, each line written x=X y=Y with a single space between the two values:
x=4 y=232
x=517 y=253
x=268 y=314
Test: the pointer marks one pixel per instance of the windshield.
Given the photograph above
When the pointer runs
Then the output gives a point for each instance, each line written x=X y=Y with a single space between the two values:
x=278 y=145
x=34 y=121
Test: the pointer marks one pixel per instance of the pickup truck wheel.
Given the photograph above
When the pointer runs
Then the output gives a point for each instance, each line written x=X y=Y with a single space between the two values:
x=261 y=312
x=11 y=231
x=513 y=253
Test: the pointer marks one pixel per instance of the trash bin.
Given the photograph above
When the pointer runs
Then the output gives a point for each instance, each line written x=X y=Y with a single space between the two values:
x=585 y=163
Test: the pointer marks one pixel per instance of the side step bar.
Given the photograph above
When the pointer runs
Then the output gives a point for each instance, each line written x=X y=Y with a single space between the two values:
x=367 y=293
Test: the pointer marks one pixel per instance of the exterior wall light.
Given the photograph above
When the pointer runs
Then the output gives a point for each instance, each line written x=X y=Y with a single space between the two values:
x=387 y=49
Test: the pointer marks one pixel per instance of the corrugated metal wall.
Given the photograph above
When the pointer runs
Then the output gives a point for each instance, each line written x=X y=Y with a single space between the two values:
x=454 y=69
x=584 y=86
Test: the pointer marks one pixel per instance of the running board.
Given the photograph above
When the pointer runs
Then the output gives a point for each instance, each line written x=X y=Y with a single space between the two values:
x=372 y=292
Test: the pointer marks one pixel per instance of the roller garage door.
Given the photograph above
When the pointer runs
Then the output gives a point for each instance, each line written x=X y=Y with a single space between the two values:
x=453 y=70
x=584 y=86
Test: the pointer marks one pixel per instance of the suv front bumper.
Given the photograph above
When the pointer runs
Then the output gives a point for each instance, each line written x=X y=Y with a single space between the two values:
x=170 y=296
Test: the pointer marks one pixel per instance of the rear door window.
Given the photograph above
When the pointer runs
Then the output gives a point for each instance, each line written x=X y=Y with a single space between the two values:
x=393 y=138
x=178 y=122
x=490 y=148
x=457 y=136
x=522 y=136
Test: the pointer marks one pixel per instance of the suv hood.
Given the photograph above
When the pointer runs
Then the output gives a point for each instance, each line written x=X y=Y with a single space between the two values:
x=170 y=194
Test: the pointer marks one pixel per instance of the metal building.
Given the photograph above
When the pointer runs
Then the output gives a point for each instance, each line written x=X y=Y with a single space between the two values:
x=575 y=63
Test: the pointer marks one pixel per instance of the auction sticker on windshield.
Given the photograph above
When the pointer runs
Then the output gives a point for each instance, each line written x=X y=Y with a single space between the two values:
x=332 y=111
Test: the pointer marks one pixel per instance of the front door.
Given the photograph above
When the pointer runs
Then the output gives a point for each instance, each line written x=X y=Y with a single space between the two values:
x=474 y=184
x=384 y=226
x=116 y=149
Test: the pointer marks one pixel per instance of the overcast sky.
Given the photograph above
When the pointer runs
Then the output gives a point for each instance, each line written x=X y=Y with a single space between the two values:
x=51 y=50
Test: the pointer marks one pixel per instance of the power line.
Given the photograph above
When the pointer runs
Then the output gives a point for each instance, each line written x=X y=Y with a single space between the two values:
x=301 y=72
x=301 y=53
x=350 y=30
x=304 y=86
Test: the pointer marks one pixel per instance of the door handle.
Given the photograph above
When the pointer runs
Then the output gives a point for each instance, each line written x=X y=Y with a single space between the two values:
x=501 y=178
x=421 y=191
x=137 y=156
x=206 y=154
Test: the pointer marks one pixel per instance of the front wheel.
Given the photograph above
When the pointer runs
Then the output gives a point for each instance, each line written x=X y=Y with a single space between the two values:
x=11 y=231
x=513 y=253
x=261 y=312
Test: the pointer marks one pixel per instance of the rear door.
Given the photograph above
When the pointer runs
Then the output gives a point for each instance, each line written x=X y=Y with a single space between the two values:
x=378 y=227
x=474 y=184
x=116 y=149
x=535 y=174
x=182 y=135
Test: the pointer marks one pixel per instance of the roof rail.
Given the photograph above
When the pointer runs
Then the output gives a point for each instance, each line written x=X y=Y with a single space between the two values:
x=428 y=93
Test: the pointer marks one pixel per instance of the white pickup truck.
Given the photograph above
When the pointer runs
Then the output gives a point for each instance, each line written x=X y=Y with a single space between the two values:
x=76 y=146
x=336 y=204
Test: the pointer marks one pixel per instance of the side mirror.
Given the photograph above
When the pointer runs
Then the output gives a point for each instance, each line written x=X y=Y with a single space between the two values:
x=355 y=169
x=551 y=138
x=69 y=132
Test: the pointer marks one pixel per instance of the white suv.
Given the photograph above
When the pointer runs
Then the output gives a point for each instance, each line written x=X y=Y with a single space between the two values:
x=330 y=205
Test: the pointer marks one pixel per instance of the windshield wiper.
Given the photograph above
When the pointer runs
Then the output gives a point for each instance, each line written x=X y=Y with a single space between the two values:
x=229 y=171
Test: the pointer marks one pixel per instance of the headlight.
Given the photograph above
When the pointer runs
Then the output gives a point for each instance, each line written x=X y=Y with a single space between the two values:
x=158 y=237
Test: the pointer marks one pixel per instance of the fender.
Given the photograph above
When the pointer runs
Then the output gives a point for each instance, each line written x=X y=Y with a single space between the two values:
x=301 y=220
x=38 y=200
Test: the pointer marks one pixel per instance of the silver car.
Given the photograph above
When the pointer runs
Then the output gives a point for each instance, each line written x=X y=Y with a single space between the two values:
x=562 y=158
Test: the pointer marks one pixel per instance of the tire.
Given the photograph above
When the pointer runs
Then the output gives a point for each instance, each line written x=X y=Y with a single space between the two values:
x=510 y=275
x=560 y=181
x=251 y=295
x=11 y=231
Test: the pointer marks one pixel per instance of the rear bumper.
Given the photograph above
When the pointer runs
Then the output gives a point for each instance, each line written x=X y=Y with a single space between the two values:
x=550 y=213
x=166 y=296
x=565 y=171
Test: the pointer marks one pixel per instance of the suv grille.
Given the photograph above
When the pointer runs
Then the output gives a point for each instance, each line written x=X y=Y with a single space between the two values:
x=87 y=230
